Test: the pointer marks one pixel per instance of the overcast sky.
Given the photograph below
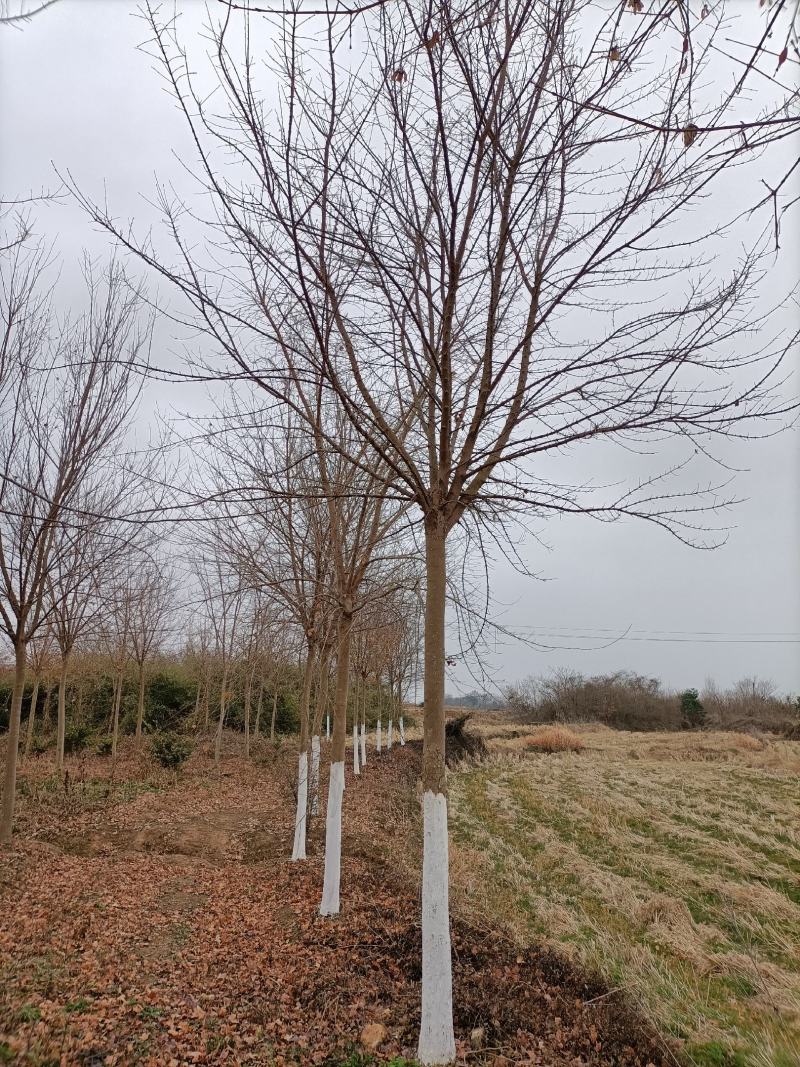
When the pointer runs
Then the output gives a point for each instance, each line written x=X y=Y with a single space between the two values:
x=75 y=92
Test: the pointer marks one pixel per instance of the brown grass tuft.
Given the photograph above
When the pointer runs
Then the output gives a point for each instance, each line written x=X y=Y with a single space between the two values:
x=555 y=739
x=748 y=743
x=664 y=909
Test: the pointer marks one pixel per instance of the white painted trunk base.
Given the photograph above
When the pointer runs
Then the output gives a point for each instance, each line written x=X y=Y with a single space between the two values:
x=333 y=842
x=328 y=727
x=363 y=745
x=389 y=736
x=315 y=774
x=402 y=731
x=356 y=761
x=299 y=850
x=436 y=1038
x=378 y=737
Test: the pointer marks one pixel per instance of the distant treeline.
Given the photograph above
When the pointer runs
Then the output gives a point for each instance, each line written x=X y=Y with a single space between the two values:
x=474 y=699
x=631 y=701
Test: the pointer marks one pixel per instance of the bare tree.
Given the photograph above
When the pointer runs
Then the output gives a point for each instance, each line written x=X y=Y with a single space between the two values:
x=433 y=218
x=324 y=658
x=151 y=591
x=276 y=534
x=224 y=599
x=360 y=518
x=40 y=656
x=115 y=639
x=255 y=627
x=72 y=603
x=65 y=402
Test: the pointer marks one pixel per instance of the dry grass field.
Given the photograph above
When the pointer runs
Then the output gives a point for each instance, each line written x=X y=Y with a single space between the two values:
x=668 y=862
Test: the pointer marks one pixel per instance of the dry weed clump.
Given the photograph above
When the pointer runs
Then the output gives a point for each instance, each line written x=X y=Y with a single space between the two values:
x=664 y=909
x=555 y=739
x=748 y=743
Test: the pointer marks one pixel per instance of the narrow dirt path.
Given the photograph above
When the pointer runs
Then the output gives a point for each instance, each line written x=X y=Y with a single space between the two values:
x=173 y=930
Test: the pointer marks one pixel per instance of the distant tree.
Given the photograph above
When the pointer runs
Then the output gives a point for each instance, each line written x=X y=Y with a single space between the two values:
x=151 y=602
x=692 y=714
x=224 y=604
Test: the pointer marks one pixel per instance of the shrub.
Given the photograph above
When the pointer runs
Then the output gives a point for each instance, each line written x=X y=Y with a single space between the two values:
x=40 y=744
x=752 y=702
x=692 y=714
x=555 y=739
x=168 y=699
x=127 y=723
x=623 y=700
x=76 y=736
x=104 y=746
x=170 y=750
x=287 y=718
x=234 y=715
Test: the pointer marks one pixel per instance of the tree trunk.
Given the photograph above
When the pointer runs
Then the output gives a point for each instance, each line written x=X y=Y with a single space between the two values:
x=356 y=750
x=31 y=717
x=197 y=700
x=62 y=713
x=363 y=722
x=140 y=706
x=356 y=744
x=314 y=777
x=321 y=700
x=259 y=706
x=333 y=821
x=299 y=846
x=110 y=721
x=274 y=715
x=389 y=736
x=115 y=722
x=221 y=722
x=12 y=744
x=47 y=720
x=248 y=693
x=436 y=1038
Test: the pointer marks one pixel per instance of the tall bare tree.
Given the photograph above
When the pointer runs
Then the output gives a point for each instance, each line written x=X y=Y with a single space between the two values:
x=436 y=217
x=275 y=532
x=66 y=397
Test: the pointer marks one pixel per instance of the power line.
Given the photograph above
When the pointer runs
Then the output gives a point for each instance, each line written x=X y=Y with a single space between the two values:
x=586 y=633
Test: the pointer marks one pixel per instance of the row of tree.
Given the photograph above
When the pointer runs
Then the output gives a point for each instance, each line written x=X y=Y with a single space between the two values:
x=429 y=273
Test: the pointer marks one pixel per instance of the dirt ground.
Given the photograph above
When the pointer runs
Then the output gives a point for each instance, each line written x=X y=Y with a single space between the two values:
x=158 y=920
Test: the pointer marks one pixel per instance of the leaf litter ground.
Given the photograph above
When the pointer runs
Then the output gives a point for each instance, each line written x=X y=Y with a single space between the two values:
x=157 y=920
